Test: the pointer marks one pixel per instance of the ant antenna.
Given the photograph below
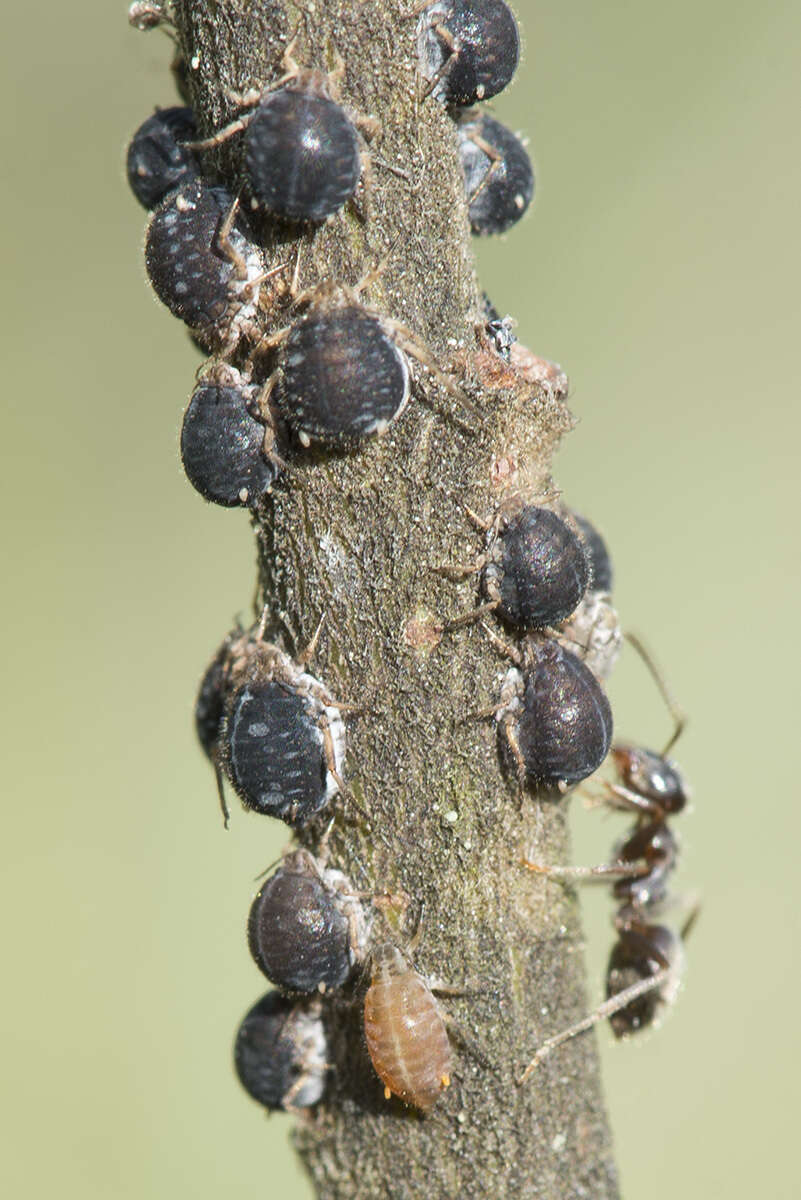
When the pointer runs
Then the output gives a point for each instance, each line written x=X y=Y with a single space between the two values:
x=676 y=712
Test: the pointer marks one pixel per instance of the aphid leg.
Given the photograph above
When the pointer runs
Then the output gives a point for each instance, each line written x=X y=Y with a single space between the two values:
x=364 y=209
x=503 y=647
x=514 y=747
x=614 y=1004
x=307 y=655
x=467 y=1043
x=676 y=712
x=471 y=617
x=224 y=243
x=228 y=131
x=458 y=571
x=417 y=349
x=495 y=161
x=449 y=44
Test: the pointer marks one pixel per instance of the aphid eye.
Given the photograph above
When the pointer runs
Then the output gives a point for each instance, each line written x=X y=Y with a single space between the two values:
x=469 y=49
x=280 y=1053
x=342 y=377
x=301 y=926
x=561 y=727
x=157 y=161
x=538 y=569
x=302 y=156
x=499 y=180
x=206 y=273
x=222 y=445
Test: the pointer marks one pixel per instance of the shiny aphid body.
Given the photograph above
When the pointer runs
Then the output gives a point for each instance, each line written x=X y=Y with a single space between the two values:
x=537 y=568
x=554 y=717
x=469 y=49
x=302 y=155
x=281 y=1053
x=222 y=442
x=306 y=928
x=273 y=751
x=406 y=1035
x=601 y=572
x=280 y=739
x=593 y=630
x=342 y=377
x=201 y=266
x=158 y=162
x=499 y=180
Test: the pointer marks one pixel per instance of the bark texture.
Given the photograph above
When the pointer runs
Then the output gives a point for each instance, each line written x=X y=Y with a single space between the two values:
x=355 y=536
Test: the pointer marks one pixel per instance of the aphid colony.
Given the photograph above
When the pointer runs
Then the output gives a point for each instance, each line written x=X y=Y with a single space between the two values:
x=291 y=367
x=335 y=372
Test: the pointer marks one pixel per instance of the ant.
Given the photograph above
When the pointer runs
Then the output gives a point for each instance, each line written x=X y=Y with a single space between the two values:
x=645 y=965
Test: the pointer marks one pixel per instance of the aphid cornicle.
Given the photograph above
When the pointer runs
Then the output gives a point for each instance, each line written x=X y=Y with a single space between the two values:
x=406 y=1035
x=468 y=49
x=306 y=928
x=537 y=569
x=223 y=442
x=202 y=267
x=281 y=739
x=281 y=1053
x=554 y=717
x=499 y=180
x=157 y=160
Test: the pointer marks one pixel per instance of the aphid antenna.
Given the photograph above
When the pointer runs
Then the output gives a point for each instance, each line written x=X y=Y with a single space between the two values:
x=673 y=707
x=269 y=867
x=614 y=1004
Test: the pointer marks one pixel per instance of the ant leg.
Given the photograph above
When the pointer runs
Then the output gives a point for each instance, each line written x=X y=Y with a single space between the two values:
x=607 y=1009
x=471 y=617
x=601 y=873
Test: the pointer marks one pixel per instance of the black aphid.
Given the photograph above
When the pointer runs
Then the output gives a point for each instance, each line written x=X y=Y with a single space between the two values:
x=281 y=1053
x=306 y=929
x=499 y=180
x=201 y=266
x=537 y=568
x=342 y=376
x=469 y=49
x=223 y=442
x=601 y=573
x=281 y=738
x=157 y=161
x=555 y=717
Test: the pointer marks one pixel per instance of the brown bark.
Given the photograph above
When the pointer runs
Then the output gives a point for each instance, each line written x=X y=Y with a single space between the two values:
x=355 y=536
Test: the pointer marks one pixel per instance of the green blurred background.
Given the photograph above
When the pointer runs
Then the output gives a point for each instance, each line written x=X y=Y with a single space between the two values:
x=660 y=267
